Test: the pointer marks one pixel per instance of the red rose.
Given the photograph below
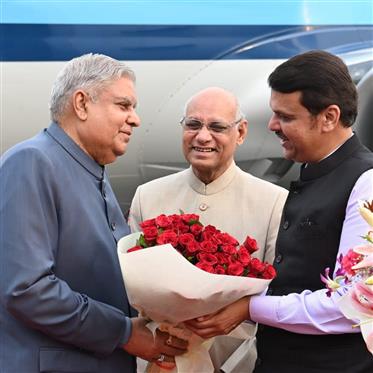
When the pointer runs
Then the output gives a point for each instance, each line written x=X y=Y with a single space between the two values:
x=222 y=258
x=235 y=269
x=244 y=256
x=147 y=223
x=250 y=244
x=180 y=227
x=219 y=270
x=209 y=232
x=256 y=265
x=192 y=248
x=229 y=249
x=168 y=236
x=207 y=235
x=207 y=258
x=189 y=218
x=163 y=221
x=209 y=246
x=135 y=248
x=269 y=272
x=205 y=267
x=196 y=229
x=150 y=233
x=226 y=239
x=175 y=219
x=232 y=259
x=185 y=238
x=212 y=229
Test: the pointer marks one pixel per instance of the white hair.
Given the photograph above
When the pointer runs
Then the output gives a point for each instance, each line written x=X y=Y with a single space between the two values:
x=90 y=72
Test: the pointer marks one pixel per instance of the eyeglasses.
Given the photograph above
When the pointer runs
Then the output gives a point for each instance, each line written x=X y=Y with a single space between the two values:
x=194 y=125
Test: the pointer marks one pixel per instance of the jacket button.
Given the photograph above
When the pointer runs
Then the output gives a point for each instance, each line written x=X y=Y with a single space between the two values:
x=112 y=226
x=278 y=258
x=286 y=224
x=203 y=207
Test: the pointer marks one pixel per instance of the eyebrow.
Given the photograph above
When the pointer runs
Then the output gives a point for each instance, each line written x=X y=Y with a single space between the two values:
x=281 y=112
x=126 y=100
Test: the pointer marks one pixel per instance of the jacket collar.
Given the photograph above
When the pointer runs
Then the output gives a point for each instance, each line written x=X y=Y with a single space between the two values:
x=215 y=186
x=71 y=147
x=315 y=170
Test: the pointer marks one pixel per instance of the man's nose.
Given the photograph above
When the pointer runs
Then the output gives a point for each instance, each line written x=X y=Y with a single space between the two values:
x=203 y=134
x=273 y=124
x=133 y=119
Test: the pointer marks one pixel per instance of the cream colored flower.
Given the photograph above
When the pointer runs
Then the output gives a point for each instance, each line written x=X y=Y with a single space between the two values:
x=366 y=211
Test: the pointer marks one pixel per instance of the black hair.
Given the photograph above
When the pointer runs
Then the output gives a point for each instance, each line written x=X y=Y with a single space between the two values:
x=322 y=78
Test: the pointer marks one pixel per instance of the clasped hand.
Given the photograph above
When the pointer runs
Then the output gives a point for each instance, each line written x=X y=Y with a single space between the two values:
x=221 y=322
x=161 y=347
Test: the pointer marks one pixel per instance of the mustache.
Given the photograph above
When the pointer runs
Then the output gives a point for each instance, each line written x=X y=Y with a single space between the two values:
x=280 y=135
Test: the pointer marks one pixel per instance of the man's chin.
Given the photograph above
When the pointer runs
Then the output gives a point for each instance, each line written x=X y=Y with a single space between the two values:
x=202 y=164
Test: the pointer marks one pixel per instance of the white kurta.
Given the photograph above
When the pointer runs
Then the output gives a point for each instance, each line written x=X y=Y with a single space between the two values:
x=237 y=203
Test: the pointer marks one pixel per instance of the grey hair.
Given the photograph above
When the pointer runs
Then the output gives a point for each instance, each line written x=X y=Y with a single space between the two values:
x=239 y=113
x=89 y=72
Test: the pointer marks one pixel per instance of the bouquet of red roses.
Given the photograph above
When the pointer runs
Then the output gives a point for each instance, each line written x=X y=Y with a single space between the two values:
x=176 y=269
x=206 y=247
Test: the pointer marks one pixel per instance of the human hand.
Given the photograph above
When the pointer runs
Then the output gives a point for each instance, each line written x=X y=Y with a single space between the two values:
x=160 y=347
x=222 y=321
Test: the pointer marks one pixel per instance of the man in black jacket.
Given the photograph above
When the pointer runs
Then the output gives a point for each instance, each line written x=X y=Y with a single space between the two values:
x=314 y=104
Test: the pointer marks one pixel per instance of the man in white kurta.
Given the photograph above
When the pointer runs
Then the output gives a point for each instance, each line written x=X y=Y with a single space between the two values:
x=223 y=195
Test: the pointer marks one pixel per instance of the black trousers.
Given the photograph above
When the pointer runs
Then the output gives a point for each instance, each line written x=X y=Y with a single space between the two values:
x=280 y=351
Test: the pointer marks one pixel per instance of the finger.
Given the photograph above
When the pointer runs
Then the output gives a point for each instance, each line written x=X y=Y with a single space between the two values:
x=163 y=358
x=172 y=351
x=166 y=365
x=201 y=324
x=206 y=333
x=176 y=342
x=209 y=316
x=168 y=360
x=172 y=341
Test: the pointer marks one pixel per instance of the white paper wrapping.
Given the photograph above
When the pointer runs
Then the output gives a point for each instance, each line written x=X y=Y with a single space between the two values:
x=167 y=288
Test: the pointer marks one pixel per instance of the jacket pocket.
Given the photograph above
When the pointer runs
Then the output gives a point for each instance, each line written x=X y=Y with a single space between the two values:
x=61 y=360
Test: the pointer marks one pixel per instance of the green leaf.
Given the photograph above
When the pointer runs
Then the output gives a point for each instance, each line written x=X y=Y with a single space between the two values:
x=192 y=222
x=142 y=242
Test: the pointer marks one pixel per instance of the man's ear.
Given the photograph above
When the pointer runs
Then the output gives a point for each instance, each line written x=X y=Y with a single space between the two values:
x=80 y=101
x=330 y=118
x=242 y=130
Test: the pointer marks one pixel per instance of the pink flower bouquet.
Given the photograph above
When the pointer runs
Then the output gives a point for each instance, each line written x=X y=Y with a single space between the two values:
x=354 y=279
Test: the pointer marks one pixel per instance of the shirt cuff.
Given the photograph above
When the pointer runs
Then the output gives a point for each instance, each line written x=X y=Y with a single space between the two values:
x=263 y=309
x=126 y=332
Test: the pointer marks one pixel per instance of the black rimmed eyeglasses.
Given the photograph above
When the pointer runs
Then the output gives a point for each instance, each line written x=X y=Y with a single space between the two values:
x=195 y=125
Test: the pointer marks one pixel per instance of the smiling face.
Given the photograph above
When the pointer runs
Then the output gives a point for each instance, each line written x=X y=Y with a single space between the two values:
x=107 y=121
x=210 y=154
x=299 y=131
